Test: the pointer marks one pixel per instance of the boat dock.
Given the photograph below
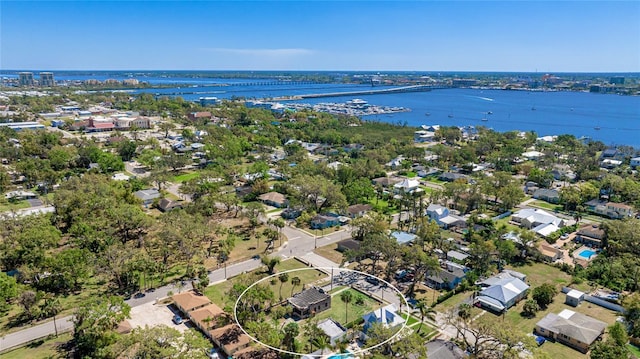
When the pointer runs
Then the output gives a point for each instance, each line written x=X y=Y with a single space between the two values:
x=414 y=88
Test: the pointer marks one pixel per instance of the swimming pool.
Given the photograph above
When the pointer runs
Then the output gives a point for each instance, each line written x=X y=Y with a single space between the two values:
x=586 y=254
x=342 y=356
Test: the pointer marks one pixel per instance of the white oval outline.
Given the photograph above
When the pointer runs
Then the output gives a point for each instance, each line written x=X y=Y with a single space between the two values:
x=360 y=351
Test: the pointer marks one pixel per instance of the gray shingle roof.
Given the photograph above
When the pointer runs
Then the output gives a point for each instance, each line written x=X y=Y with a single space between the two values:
x=308 y=297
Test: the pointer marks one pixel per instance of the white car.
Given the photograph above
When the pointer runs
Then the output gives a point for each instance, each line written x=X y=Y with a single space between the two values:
x=213 y=354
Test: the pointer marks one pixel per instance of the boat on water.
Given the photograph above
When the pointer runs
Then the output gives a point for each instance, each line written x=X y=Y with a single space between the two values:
x=489 y=112
x=597 y=128
x=427 y=114
x=484 y=119
x=533 y=108
x=450 y=116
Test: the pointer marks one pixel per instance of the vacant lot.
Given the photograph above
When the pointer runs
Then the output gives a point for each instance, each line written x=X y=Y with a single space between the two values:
x=219 y=293
x=346 y=313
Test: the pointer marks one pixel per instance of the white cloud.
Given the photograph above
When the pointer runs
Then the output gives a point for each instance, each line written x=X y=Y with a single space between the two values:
x=262 y=52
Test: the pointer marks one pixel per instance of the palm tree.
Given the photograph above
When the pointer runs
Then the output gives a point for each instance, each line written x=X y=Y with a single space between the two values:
x=283 y=277
x=270 y=262
x=425 y=312
x=295 y=281
x=346 y=296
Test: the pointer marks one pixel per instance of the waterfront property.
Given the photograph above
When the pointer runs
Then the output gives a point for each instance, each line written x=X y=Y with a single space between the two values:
x=573 y=329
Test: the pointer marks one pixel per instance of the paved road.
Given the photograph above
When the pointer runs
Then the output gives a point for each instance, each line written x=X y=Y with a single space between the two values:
x=300 y=243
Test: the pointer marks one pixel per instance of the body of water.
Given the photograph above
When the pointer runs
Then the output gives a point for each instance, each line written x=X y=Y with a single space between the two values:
x=612 y=119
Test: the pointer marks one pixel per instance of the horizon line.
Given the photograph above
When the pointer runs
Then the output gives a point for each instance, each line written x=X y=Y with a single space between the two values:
x=336 y=70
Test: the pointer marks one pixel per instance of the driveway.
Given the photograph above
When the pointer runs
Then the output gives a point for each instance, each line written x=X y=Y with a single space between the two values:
x=152 y=315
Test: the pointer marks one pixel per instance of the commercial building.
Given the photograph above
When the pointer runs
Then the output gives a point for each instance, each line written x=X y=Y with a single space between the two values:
x=46 y=79
x=26 y=79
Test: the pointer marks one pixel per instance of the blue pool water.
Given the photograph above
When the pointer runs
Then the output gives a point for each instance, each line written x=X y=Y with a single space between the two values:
x=586 y=254
x=342 y=356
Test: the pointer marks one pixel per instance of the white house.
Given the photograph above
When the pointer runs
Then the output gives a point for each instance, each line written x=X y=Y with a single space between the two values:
x=407 y=185
x=388 y=316
x=635 y=162
x=531 y=218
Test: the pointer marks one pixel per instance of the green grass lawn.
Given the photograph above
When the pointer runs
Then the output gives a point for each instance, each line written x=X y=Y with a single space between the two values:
x=513 y=320
x=183 y=177
x=41 y=349
x=539 y=273
x=634 y=350
x=330 y=252
x=452 y=302
x=545 y=205
x=410 y=174
x=13 y=206
x=346 y=313
x=412 y=320
x=219 y=293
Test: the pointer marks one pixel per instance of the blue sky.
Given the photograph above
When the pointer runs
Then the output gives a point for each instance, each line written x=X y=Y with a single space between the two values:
x=545 y=36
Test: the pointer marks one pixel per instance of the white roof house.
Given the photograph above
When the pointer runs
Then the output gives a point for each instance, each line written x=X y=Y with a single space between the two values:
x=388 y=316
x=407 y=185
x=531 y=218
x=332 y=329
x=532 y=155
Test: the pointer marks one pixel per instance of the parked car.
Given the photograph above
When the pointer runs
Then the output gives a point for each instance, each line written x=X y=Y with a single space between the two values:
x=177 y=319
x=213 y=354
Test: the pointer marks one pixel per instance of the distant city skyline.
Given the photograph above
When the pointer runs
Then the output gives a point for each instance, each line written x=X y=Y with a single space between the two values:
x=479 y=36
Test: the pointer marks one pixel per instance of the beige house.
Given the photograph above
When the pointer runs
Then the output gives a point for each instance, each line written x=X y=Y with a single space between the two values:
x=572 y=329
x=549 y=252
x=230 y=338
x=207 y=317
x=187 y=302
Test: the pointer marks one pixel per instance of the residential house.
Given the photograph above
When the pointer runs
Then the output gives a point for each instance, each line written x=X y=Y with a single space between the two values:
x=550 y=253
x=20 y=195
x=187 y=302
x=403 y=237
x=424 y=136
x=445 y=279
x=456 y=256
x=533 y=155
x=358 y=210
x=309 y=302
x=395 y=163
x=442 y=349
x=386 y=182
x=166 y=205
x=436 y=212
x=207 y=317
x=635 y=162
x=547 y=195
x=530 y=218
x=610 y=163
x=407 y=186
x=274 y=199
x=609 y=153
x=505 y=292
x=590 y=235
x=452 y=176
x=333 y=330
x=291 y=213
x=387 y=315
x=323 y=221
x=609 y=209
x=203 y=115
x=230 y=339
x=573 y=329
x=147 y=196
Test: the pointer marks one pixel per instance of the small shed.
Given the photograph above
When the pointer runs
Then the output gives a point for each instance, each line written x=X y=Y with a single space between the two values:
x=574 y=297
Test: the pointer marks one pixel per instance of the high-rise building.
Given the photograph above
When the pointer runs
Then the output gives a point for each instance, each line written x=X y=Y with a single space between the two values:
x=25 y=78
x=47 y=80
